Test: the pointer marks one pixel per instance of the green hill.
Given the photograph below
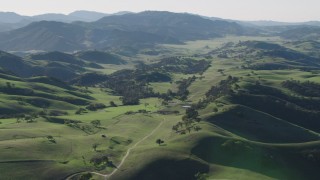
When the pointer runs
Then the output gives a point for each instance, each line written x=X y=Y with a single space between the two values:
x=33 y=95
x=302 y=33
x=57 y=56
x=58 y=65
x=44 y=35
x=100 y=57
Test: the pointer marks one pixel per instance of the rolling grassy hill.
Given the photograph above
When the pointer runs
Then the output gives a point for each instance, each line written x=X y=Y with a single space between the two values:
x=224 y=110
x=57 y=56
x=44 y=35
x=28 y=68
x=240 y=140
x=100 y=57
x=302 y=33
x=56 y=64
x=22 y=96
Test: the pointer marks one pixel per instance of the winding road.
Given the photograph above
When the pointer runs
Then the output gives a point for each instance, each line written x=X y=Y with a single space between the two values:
x=126 y=155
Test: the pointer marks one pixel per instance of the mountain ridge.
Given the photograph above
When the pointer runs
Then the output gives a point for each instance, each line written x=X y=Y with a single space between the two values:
x=149 y=27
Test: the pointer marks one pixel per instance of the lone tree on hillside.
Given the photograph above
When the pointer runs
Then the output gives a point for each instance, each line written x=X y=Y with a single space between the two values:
x=130 y=100
x=201 y=176
x=159 y=141
x=96 y=123
x=95 y=146
x=85 y=176
x=51 y=139
x=31 y=118
x=112 y=104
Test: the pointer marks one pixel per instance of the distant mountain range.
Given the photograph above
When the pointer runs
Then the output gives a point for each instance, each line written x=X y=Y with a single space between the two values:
x=11 y=17
x=266 y=23
x=276 y=23
x=129 y=29
x=11 y=20
x=85 y=30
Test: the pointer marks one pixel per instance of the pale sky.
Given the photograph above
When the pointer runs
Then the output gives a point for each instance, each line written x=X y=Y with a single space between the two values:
x=278 y=10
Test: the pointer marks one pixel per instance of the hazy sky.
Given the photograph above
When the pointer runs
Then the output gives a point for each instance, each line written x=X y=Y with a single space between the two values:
x=280 y=10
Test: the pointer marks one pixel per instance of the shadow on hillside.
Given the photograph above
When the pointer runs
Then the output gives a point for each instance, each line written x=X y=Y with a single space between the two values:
x=278 y=163
x=258 y=126
x=170 y=169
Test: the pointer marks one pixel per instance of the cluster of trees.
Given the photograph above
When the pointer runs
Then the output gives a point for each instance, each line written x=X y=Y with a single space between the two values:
x=225 y=87
x=101 y=161
x=130 y=99
x=53 y=113
x=124 y=83
x=180 y=65
x=183 y=85
x=140 y=111
x=31 y=117
x=268 y=66
x=132 y=85
x=189 y=122
x=158 y=72
x=153 y=76
x=95 y=106
x=89 y=79
x=27 y=118
x=182 y=93
x=191 y=118
x=80 y=111
x=88 y=129
x=10 y=85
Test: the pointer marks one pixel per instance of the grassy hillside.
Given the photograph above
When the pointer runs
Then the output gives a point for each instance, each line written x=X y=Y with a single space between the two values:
x=57 y=56
x=55 y=64
x=100 y=57
x=44 y=35
x=244 y=139
x=37 y=95
x=302 y=33
x=231 y=108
